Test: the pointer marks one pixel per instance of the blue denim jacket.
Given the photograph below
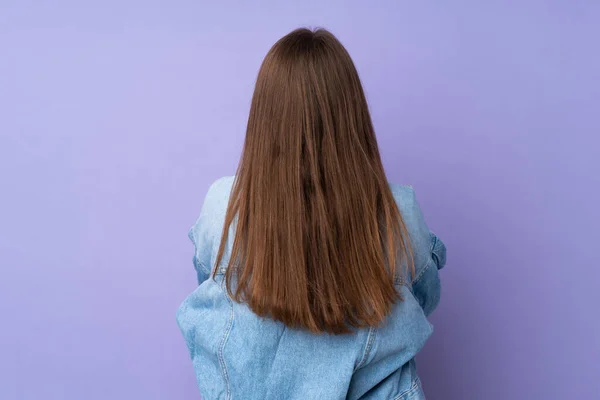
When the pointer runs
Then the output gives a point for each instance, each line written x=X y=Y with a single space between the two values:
x=238 y=355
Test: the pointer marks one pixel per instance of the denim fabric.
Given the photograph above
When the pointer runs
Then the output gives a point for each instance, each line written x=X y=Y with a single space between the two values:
x=238 y=355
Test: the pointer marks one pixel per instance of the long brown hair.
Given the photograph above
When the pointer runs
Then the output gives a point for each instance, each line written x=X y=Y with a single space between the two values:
x=318 y=235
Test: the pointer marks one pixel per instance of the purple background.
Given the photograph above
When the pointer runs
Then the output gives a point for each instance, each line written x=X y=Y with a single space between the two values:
x=115 y=116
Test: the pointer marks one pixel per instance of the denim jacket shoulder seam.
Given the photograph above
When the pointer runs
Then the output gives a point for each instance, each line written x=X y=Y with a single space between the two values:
x=368 y=346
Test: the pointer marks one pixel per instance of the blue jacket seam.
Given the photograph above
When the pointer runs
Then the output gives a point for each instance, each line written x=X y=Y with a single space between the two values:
x=414 y=282
x=222 y=347
x=203 y=267
x=413 y=388
x=368 y=346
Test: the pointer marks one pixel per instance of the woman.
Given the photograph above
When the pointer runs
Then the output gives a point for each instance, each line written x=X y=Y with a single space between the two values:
x=315 y=274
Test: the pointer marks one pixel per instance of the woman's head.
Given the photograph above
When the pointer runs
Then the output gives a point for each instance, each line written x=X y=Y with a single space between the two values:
x=318 y=234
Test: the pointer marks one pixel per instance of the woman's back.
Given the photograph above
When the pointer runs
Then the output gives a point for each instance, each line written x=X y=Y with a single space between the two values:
x=239 y=355
x=316 y=275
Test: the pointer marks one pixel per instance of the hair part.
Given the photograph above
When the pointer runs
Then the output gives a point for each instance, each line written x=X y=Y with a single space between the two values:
x=318 y=235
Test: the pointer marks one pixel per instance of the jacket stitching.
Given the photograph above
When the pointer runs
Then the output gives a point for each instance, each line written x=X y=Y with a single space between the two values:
x=414 y=387
x=421 y=273
x=203 y=267
x=369 y=345
x=222 y=346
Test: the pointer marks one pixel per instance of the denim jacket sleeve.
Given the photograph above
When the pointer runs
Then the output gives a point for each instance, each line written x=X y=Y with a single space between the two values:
x=201 y=262
x=428 y=250
x=426 y=285
x=209 y=223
